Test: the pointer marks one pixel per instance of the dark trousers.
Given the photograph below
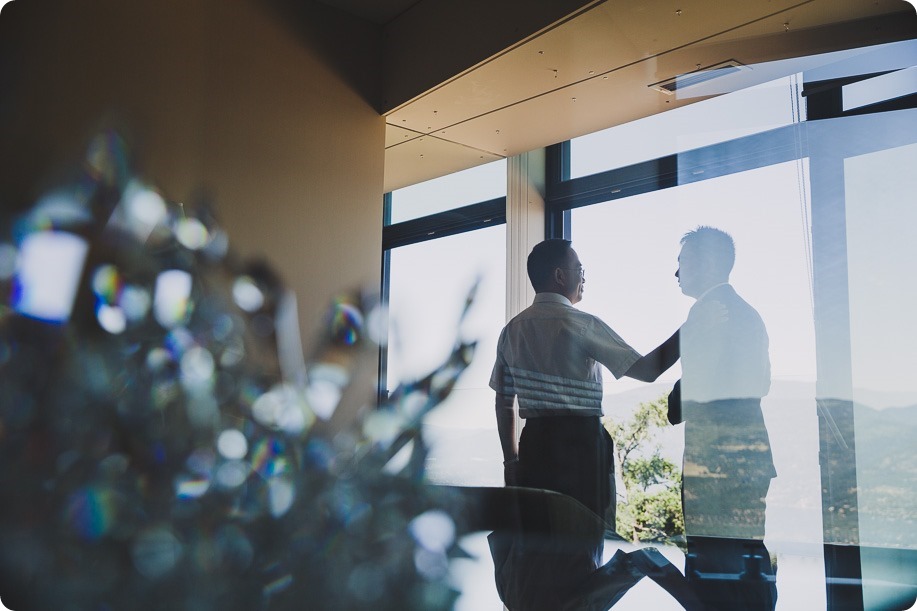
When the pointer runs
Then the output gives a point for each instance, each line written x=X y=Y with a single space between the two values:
x=727 y=471
x=572 y=455
x=728 y=573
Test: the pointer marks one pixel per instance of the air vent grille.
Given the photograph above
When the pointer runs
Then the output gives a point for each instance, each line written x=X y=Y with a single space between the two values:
x=701 y=75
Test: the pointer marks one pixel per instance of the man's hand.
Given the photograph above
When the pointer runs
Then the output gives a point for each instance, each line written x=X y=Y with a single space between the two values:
x=506 y=427
x=652 y=365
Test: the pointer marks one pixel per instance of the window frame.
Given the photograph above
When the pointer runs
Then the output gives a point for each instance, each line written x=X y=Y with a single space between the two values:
x=460 y=220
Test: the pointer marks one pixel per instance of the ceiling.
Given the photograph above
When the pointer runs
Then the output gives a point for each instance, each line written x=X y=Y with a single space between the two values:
x=596 y=69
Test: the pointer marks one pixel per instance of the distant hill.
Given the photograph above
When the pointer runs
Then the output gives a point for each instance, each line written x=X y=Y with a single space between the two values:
x=885 y=465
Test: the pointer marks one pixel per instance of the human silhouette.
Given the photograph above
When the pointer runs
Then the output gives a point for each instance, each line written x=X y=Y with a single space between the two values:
x=549 y=357
x=728 y=464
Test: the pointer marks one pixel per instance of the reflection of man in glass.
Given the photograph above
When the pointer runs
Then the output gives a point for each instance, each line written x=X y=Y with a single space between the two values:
x=727 y=464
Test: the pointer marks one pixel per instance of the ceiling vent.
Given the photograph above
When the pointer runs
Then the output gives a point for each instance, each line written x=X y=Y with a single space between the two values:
x=701 y=75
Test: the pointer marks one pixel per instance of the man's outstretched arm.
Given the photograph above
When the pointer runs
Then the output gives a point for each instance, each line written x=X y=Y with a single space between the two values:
x=506 y=428
x=651 y=366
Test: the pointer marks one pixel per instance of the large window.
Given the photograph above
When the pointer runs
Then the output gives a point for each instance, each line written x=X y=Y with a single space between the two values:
x=477 y=184
x=811 y=184
x=811 y=174
x=433 y=263
x=631 y=249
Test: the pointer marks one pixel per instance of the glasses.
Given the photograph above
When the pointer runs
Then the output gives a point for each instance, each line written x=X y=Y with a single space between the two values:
x=581 y=270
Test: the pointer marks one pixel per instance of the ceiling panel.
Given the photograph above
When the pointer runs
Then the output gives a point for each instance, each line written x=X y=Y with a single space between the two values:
x=395 y=134
x=593 y=71
x=597 y=42
x=427 y=157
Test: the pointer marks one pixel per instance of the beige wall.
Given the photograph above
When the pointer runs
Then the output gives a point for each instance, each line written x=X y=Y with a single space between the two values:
x=269 y=116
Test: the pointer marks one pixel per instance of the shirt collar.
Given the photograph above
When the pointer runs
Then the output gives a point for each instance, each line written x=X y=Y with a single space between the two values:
x=551 y=298
x=711 y=289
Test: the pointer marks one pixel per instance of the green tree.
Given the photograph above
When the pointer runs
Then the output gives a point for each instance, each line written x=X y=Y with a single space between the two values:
x=652 y=510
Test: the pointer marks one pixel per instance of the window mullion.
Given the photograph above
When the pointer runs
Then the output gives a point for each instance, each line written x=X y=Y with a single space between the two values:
x=525 y=222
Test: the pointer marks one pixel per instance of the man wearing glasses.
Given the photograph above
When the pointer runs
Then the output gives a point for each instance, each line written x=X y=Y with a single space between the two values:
x=549 y=357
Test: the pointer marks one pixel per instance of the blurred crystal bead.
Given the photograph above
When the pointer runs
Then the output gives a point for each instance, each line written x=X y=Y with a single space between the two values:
x=191 y=487
x=171 y=300
x=231 y=474
x=140 y=210
x=283 y=408
x=202 y=408
x=232 y=354
x=112 y=319
x=281 y=494
x=232 y=444
x=434 y=530
x=201 y=462
x=90 y=512
x=400 y=460
x=156 y=552
x=135 y=301
x=413 y=403
x=191 y=233
x=377 y=324
x=247 y=295
x=106 y=284
x=323 y=396
x=346 y=323
x=325 y=388
x=157 y=359
x=278 y=585
x=267 y=457
x=47 y=275
x=382 y=426
x=217 y=245
x=432 y=565
x=222 y=327
x=61 y=209
x=196 y=481
x=197 y=368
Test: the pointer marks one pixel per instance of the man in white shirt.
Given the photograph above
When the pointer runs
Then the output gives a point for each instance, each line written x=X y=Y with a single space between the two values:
x=549 y=356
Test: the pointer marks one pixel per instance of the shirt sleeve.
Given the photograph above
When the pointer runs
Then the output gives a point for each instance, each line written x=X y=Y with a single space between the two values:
x=607 y=347
x=500 y=376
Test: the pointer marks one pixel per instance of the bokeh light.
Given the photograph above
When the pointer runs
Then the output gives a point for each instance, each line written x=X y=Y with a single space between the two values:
x=247 y=294
x=160 y=452
x=48 y=272
x=172 y=299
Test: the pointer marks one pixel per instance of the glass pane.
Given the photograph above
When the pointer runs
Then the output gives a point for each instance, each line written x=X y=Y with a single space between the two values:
x=733 y=115
x=880 y=221
x=631 y=250
x=429 y=283
x=477 y=184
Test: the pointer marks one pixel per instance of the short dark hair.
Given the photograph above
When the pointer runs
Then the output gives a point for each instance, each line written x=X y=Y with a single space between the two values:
x=544 y=259
x=715 y=247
